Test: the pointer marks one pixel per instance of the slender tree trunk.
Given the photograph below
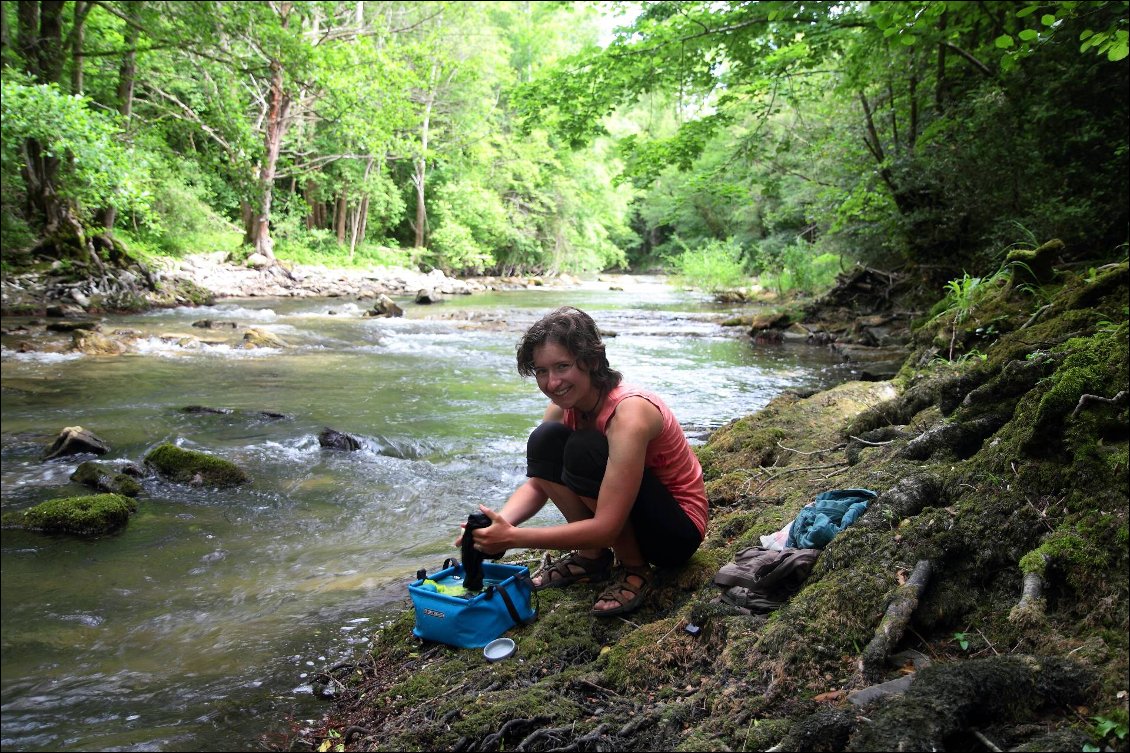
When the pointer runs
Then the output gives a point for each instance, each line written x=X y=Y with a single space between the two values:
x=340 y=217
x=420 y=176
x=875 y=146
x=127 y=73
x=364 y=218
x=77 y=57
x=275 y=128
x=357 y=219
x=247 y=216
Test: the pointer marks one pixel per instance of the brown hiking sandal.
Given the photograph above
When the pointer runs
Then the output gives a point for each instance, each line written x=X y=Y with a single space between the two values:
x=573 y=568
x=622 y=585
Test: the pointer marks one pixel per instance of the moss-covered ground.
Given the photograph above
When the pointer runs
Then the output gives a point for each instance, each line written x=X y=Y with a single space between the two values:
x=1004 y=466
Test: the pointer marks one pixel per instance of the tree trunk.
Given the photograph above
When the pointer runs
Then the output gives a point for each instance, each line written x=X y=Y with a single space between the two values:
x=77 y=60
x=276 y=127
x=340 y=217
x=247 y=216
x=126 y=76
x=277 y=107
x=41 y=44
x=420 y=177
x=358 y=218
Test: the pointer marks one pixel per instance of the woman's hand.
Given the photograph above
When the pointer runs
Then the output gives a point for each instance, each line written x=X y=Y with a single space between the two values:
x=493 y=540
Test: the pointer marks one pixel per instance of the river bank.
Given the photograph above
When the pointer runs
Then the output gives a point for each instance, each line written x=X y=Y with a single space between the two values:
x=198 y=278
x=981 y=600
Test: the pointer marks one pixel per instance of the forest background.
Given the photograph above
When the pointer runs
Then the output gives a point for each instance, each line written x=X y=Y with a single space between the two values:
x=720 y=140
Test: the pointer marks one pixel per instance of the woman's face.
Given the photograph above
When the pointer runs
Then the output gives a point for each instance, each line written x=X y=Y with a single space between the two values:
x=561 y=377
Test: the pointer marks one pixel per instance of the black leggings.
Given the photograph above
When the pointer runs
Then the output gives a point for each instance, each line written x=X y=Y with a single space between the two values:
x=578 y=459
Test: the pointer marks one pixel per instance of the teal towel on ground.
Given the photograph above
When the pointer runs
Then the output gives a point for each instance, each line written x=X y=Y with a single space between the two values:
x=831 y=512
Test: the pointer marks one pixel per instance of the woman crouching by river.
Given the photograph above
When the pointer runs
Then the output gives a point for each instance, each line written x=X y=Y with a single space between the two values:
x=613 y=459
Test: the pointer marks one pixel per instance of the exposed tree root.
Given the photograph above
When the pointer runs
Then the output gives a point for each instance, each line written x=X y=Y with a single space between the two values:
x=949 y=700
x=873 y=661
x=1030 y=609
x=1085 y=399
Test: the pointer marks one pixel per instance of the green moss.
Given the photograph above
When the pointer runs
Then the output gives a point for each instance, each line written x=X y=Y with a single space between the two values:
x=1094 y=365
x=832 y=617
x=731 y=488
x=195 y=468
x=104 y=478
x=92 y=515
x=739 y=448
x=1035 y=265
x=182 y=292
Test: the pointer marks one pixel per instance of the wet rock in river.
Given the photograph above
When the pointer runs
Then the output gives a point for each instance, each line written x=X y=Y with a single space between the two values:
x=105 y=478
x=75 y=440
x=336 y=440
x=96 y=344
x=91 y=515
x=194 y=468
x=258 y=338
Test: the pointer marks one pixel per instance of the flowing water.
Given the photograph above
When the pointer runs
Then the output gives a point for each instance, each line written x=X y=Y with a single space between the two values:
x=201 y=625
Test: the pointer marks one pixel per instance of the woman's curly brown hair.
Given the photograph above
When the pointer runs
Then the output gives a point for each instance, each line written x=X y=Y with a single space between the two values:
x=576 y=331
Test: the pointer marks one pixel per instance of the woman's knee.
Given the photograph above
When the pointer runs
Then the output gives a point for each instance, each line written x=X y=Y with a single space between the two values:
x=586 y=452
x=584 y=462
x=545 y=450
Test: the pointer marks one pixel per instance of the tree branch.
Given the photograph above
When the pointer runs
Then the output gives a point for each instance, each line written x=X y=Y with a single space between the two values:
x=193 y=117
x=969 y=57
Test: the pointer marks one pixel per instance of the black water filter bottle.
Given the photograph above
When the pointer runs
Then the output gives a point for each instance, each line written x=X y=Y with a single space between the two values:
x=472 y=557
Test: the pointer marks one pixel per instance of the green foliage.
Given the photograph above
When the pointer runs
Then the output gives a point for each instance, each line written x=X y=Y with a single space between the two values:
x=801 y=269
x=97 y=168
x=1113 y=727
x=714 y=266
x=962 y=298
x=14 y=230
x=880 y=132
x=454 y=249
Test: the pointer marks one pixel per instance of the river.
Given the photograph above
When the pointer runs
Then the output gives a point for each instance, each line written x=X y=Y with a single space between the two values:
x=201 y=624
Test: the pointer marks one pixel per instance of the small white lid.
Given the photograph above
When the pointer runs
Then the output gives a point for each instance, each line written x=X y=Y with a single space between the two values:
x=499 y=649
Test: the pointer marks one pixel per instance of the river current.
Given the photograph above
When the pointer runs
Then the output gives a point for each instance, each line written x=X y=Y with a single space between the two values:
x=201 y=625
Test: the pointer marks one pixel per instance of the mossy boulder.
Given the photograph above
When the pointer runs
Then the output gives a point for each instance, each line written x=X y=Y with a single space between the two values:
x=194 y=468
x=96 y=344
x=1036 y=265
x=93 y=515
x=261 y=338
x=106 y=479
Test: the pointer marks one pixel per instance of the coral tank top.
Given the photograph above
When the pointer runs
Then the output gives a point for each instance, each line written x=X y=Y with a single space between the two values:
x=669 y=455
